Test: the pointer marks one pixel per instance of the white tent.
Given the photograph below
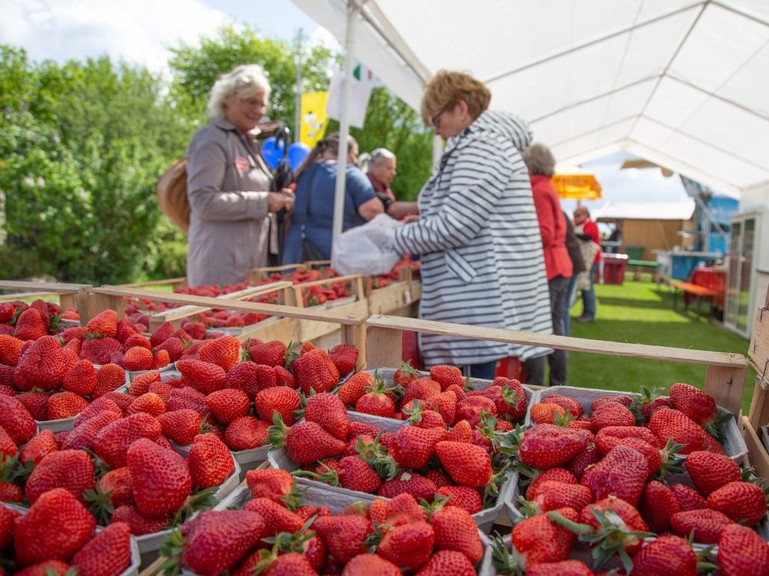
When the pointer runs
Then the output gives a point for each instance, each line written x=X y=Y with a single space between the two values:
x=682 y=83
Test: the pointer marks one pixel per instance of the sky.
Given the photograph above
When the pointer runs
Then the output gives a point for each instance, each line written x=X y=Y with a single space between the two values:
x=140 y=32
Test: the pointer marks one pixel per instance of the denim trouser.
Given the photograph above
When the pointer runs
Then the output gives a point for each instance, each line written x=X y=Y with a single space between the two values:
x=535 y=367
x=588 y=296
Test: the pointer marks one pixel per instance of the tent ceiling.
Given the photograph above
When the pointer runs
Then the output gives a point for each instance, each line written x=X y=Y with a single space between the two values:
x=683 y=83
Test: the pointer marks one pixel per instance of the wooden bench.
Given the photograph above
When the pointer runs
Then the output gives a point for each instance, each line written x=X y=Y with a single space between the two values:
x=698 y=292
x=638 y=266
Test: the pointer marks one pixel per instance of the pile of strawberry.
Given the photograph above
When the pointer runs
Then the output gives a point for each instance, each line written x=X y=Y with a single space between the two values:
x=115 y=460
x=275 y=533
x=31 y=321
x=57 y=533
x=442 y=398
x=425 y=462
x=611 y=477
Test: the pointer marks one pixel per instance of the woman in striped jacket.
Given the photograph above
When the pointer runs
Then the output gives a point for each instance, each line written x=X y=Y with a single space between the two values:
x=478 y=234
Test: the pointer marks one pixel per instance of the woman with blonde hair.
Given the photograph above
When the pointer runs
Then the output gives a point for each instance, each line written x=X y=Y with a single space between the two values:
x=478 y=234
x=228 y=183
x=311 y=231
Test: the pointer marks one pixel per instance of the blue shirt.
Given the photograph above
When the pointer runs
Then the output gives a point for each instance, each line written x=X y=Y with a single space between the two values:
x=319 y=217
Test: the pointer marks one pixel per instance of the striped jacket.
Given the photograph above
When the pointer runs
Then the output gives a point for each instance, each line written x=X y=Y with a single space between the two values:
x=479 y=238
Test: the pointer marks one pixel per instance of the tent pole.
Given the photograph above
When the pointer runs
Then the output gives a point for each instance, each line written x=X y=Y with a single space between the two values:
x=298 y=61
x=344 y=126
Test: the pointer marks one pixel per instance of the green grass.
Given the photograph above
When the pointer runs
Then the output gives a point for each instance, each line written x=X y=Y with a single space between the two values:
x=639 y=312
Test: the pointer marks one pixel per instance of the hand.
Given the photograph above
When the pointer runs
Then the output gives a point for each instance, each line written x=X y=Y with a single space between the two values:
x=277 y=201
x=289 y=198
x=410 y=218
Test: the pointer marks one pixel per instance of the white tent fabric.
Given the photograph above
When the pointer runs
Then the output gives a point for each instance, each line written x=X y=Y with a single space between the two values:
x=682 y=83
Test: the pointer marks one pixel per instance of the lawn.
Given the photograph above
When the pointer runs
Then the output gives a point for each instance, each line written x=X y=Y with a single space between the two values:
x=639 y=312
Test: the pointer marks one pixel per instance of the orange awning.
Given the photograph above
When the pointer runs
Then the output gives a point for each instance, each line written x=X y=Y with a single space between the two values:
x=577 y=186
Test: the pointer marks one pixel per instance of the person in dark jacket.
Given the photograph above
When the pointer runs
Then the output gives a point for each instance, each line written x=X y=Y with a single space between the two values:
x=578 y=266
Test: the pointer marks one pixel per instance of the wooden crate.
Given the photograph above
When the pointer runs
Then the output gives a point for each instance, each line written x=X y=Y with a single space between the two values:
x=68 y=295
x=724 y=379
x=175 y=283
x=758 y=355
x=294 y=323
x=399 y=298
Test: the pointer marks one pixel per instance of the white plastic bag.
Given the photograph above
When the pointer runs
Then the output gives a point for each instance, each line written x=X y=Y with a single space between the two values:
x=366 y=249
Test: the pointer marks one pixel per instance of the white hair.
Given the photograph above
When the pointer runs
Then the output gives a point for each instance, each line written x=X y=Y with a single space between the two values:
x=374 y=157
x=244 y=81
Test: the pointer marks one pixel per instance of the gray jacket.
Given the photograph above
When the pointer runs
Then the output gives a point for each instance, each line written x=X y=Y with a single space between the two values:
x=227 y=186
x=481 y=248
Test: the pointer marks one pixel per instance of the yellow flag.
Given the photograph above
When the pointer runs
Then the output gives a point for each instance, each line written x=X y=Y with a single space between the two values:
x=313 y=117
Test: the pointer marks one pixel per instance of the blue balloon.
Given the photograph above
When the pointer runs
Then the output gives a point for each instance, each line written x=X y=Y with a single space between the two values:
x=272 y=151
x=297 y=152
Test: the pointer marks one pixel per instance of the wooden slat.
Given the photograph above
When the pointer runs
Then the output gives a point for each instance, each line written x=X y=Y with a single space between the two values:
x=725 y=359
x=758 y=351
x=757 y=455
x=59 y=288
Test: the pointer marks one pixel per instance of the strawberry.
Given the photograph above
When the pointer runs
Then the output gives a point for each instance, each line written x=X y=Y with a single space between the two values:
x=140 y=524
x=314 y=370
x=421 y=388
x=268 y=353
x=447 y=375
x=539 y=539
x=150 y=403
x=546 y=413
x=246 y=433
x=305 y=442
x=569 y=404
x=109 y=552
x=109 y=377
x=228 y=404
x=292 y=563
x=354 y=387
x=65 y=405
x=669 y=423
x=658 y=504
x=563 y=568
x=10 y=349
x=47 y=568
x=377 y=400
x=622 y=473
x=30 y=325
x=7 y=445
x=215 y=541
x=550 y=446
x=414 y=447
x=552 y=495
x=283 y=377
x=223 y=351
x=270 y=483
x=117 y=484
x=38 y=446
x=355 y=474
x=112 y=441
x=202 y=376
x=667 y=554
x=418 y=486
x=265 y=377
x=161 y=359
x=606 y=438
x=328 y=410
x=72 y=470
x=164 y=332
x=693 y=402
x=187 y=397
x=460 y=432
x=371 y=564
x=618 y=398
x=173 y=346
x=742 y=552
x=280 y=399
x=103 y=324
x=277 y=518
x=243 y=376
x=706 y=524
x=42 y=365
x=138 y=358
x=444 y=404
x=210 y=461
x=688 y=498
x=16 y=419
x=136 y=340
x=156 y=471
x=710 y=471
x=102 y=350
x=467 y=464
x=456 y=530
x=344 y=357
x=82 y=437
x=611 y=414
x=620 y=524
x=344 y=536
x=743 y=502
x=80 y=378
x=55 y=527
x=408 y=546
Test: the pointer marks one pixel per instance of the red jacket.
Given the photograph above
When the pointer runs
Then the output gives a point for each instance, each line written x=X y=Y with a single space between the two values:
x=552 y=227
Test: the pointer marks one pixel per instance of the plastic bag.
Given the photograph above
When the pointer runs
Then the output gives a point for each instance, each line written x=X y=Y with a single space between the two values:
x=366 y=249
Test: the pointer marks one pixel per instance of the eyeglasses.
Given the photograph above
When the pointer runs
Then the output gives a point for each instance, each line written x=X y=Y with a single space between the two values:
x=435 y=119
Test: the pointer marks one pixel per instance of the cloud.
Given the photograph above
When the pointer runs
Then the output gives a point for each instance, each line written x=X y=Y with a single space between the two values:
x=137 y=31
